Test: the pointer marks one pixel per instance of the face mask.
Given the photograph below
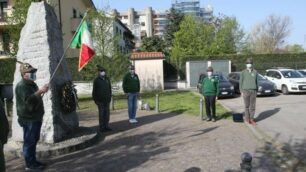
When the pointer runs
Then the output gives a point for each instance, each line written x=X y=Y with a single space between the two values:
x=102 y=73
x=249 y=66
x=209 y=74
x=32 y=76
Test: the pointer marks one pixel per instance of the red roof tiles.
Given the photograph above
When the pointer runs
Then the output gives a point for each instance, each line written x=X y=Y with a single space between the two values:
x=147 y=55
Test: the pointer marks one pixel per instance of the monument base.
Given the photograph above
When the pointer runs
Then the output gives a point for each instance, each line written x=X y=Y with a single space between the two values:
x=83 y=138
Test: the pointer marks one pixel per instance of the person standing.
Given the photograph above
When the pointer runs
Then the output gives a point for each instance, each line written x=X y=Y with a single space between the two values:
x=131 y=87
x=30 y=111
x=210 y=90
x=101 y=94
x=248 y=84
x=4 y=130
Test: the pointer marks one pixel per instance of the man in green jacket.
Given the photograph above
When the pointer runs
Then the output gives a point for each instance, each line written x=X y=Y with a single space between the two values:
x=101 y=94
x=131 y=87
x=4 y=130
x=30 y=111
x=248 y=87
x=210 y=90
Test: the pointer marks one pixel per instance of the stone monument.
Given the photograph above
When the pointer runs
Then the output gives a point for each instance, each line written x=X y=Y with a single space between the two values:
x=41 y=45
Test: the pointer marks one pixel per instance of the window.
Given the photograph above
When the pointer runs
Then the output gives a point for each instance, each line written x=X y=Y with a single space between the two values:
x=270 y=73
x=277 y=75
x=117 y=30
x=143 y=24
x=3 y=5
x=74 y=13
x=291 y=74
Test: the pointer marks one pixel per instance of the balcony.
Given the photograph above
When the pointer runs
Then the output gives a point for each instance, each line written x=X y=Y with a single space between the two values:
x=4 y=55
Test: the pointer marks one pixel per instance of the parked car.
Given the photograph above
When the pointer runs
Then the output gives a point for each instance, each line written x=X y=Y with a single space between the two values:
x=225 y=87
x=265 y=87
x=303 y=72
x=287 y=80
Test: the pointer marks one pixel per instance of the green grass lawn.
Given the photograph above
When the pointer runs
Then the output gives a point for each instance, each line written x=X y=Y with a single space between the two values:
x=186 y=102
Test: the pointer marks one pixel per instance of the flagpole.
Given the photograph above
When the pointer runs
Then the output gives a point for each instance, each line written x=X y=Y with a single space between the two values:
x=59 y=63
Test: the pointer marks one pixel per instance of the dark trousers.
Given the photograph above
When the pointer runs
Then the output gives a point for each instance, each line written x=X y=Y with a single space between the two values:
x=2 y=160
x=31 y=133
x=210 y=105
x=103 y=115
x=249 y=98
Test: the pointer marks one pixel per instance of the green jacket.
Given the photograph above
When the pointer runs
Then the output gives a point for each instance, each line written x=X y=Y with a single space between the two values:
x=29 y=106
x=131 y=84
x=210 y=87
x=248 y=80
x=4 y=125
x=102 y=90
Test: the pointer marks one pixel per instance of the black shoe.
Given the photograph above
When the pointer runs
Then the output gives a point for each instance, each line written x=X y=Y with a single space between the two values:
x=40 y=163
x=35 y=167
x=107 y=129
x=208 y=119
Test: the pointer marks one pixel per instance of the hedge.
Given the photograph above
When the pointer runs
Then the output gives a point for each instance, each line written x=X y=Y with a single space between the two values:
x=261 y=61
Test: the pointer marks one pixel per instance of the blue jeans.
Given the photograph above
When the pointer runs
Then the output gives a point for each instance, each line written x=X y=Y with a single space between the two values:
x=31 y=133
x=132 y=105
x=103 y=115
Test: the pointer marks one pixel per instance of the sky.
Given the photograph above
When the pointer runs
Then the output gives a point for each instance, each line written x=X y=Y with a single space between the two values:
x=247 y=12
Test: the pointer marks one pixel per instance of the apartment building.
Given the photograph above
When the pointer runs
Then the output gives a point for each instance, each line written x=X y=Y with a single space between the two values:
x=192 y=7
x=144 y=23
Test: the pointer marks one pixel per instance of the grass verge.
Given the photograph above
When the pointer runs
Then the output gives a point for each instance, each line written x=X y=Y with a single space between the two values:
x=186 y=102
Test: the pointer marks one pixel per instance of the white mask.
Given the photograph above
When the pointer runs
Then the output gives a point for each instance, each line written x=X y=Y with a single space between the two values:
x=102 y=73
x=209 y=74
x=31 y=76
x=249 y=66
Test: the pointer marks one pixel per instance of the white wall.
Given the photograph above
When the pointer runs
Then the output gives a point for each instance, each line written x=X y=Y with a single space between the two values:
x=151 y=74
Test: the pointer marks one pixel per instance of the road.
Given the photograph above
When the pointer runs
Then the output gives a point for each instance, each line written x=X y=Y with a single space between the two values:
x=281 y=117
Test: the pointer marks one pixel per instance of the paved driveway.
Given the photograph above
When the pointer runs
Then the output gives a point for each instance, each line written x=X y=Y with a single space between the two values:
x=164 y=142
x=281 y=117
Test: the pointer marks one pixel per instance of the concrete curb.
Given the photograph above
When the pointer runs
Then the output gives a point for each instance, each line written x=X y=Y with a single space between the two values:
x=14 y=149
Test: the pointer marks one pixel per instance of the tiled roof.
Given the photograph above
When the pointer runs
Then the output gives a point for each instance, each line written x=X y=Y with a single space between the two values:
x=147 y=55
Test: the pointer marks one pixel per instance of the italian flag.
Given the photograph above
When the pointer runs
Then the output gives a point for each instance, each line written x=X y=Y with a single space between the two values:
x=83 y=41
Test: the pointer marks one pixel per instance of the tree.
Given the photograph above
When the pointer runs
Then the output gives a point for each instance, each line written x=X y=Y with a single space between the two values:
x=153 y=44
x=193 y=38
x=229 y=38
x=295 y=48
x=106 y=47
x=15 y=23
x=173 y=25
x=198 y=38
x=269 y=36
